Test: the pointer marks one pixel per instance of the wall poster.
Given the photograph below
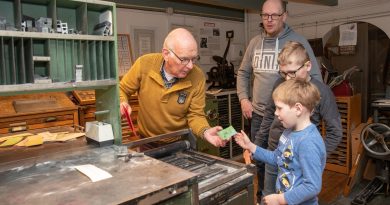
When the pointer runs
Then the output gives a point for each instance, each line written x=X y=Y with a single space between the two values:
x=144 y=42
x=125 y=54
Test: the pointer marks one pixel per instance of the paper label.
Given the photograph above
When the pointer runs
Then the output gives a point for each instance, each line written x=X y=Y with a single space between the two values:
x=93 y=172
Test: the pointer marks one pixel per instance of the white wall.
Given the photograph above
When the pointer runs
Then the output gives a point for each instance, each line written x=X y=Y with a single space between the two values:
x=160 y=23
x=314 y=21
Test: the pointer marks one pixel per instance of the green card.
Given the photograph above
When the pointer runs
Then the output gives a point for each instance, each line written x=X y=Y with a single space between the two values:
x=227 y=133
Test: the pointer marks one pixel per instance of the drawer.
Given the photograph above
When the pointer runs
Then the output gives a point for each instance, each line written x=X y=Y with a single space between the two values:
x=36 y=111
x=38 y=121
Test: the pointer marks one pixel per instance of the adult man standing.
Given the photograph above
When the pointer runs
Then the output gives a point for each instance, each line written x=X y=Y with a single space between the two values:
x=171 y=90
x=260 y=60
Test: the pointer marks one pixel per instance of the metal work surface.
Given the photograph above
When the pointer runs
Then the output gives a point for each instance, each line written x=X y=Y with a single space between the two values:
x=220 y=181
x=53 y=180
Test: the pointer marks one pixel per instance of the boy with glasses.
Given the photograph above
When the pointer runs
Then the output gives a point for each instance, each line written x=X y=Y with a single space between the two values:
x=294 y=63
x=171 y=90
x=300 y=155
x=260 y=63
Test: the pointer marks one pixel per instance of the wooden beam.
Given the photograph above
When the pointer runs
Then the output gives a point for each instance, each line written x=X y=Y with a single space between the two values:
x=318 y=2
x=256 y=4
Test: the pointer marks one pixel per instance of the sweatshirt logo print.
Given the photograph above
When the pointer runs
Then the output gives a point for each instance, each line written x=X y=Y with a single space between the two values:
x=264 y=61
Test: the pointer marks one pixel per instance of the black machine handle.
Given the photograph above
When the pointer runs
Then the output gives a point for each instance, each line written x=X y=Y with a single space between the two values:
x=168 y=150
x=184 y=133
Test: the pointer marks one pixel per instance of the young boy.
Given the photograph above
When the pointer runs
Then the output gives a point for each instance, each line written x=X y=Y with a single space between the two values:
x=300 y=155
x=294 y=62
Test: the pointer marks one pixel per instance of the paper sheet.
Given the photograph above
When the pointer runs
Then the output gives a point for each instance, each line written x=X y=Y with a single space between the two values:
x=94 y=173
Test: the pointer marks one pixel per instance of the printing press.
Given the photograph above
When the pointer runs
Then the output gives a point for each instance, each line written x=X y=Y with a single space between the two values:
x=220 y=181
x=169 y=174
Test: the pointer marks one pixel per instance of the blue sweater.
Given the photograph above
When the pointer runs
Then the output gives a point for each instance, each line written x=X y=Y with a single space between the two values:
x=300 y=158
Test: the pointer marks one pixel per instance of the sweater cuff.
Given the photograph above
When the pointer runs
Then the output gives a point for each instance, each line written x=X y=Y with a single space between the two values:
x=202 y=132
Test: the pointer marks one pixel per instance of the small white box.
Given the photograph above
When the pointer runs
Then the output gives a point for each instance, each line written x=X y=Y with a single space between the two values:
x=99 y=133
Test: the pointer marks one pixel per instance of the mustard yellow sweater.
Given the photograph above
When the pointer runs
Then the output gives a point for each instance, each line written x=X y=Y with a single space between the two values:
x=165 y=110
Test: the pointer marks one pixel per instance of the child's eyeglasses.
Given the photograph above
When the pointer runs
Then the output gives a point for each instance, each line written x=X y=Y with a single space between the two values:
x=291 y=74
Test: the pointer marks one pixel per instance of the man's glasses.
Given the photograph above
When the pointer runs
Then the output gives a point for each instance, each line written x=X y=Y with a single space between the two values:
x=185 y=61
x=273 y=16
x=291 y=74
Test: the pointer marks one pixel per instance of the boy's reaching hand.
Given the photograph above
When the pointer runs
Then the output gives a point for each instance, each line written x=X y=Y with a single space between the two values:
x=243 y=140
x=274 y=199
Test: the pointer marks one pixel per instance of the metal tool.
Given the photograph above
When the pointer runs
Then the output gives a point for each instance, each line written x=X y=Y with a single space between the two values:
x=128 y=156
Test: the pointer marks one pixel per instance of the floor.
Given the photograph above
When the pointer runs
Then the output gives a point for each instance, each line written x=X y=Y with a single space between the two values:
x=332 y=191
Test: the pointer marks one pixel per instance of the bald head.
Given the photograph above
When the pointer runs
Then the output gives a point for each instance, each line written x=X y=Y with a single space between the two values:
x=180 y=38
x=275 y=3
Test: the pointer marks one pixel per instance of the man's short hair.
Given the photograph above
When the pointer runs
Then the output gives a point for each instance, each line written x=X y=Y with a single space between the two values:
x=295 y=91
x=293 y=49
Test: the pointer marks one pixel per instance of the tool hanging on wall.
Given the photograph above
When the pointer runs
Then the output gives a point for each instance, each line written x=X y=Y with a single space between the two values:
x=341 y=85
x=222 y=76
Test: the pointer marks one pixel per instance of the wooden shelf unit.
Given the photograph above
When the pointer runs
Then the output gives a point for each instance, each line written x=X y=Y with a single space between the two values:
x=350 y=112
x=62 y=52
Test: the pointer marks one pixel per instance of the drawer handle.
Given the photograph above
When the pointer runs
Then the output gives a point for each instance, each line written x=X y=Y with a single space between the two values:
x=18 y=129
x=51 y=119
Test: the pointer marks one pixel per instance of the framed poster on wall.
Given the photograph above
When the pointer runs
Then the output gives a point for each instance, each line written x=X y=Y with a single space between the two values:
x=125 y=54
x=144 y=42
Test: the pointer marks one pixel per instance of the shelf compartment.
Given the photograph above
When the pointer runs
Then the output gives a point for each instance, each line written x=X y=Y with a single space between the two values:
x=40 y=59
x=93 y=13
x=3 y=71
x=99 y=60
x=36 y=9
x=92 y=60
x=28 y=59
x=113 y=67
x=7 y=10
x=9 y=60
x=20 y=63
x=72 y=13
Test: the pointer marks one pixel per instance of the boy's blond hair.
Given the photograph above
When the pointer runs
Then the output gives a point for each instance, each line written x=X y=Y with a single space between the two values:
x=293 y=51
x=295 y=91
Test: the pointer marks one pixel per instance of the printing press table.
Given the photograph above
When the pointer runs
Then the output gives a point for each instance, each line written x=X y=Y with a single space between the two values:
x=52 y=180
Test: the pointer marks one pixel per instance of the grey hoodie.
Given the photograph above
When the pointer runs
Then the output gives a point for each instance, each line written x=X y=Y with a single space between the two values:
x=260 y=59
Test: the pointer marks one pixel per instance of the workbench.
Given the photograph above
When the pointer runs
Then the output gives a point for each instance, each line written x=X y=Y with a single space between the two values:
x=52 y=179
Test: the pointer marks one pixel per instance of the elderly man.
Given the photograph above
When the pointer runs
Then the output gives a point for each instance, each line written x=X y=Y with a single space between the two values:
x=171 y=90
x=260 y=61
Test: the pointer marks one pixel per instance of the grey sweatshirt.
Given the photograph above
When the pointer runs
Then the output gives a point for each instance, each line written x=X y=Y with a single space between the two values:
x=260 y=60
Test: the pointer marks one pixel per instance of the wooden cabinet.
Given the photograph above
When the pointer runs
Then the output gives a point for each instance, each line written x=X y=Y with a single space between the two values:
x=36 y=111
x=41 y=62
x=350 y=112
x=85 y=100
